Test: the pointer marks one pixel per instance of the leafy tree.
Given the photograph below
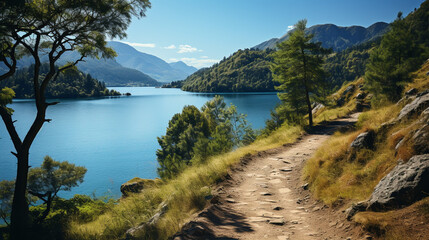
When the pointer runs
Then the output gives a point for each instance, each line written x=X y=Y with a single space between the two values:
x=6 y=194
x=298 y=68
x=193 y=135
x=53 y=27
x=69 y=84
x=46 y=181
x=183 y=131
x=390 y=65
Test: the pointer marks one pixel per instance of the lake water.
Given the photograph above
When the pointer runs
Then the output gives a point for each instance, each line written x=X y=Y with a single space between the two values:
x=114 y=138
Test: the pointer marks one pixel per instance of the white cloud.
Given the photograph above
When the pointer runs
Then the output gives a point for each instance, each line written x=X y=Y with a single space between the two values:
x=199 y=62
x=173 y=60
x=172 y=46
x=290 y=27
x=204 y=57
x=187 y=49
x=145 y=45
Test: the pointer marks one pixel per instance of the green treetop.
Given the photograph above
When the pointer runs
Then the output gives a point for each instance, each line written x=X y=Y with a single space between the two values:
x=298 y=68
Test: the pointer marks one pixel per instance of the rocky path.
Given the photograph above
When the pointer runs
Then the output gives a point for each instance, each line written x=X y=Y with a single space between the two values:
x=265 y=198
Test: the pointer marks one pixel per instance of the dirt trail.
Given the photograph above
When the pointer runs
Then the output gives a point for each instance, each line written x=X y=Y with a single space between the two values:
x=265 y=199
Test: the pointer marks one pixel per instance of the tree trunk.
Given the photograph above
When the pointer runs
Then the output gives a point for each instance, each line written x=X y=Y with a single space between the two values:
x=20 y=220
x=310 y=113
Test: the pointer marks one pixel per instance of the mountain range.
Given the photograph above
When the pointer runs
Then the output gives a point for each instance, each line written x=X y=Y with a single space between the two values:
x=335 y=37
x=129 y=68
x=150 y=64
x=249 y=70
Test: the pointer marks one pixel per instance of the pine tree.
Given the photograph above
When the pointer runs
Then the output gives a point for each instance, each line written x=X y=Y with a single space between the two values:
x=390 y=65
x=298 y=68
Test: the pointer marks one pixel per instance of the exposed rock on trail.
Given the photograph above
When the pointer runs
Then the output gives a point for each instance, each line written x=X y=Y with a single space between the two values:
x=405 y=184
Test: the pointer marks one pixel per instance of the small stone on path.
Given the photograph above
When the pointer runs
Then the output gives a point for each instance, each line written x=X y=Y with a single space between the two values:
x=279 y=221
x=230 y=200
x=266 y=194
x=278 y=208
x=285 y=170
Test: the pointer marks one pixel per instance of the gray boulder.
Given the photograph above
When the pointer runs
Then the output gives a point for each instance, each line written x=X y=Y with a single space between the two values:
x=355 y=208
x=364 y=140
x=136 y=185
x=414 y=108
x=421 y=140
x=132 y=187
x=404 y=185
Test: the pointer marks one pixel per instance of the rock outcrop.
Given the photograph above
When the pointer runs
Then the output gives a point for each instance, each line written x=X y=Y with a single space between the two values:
x=421 y=140
x=364 y=140
x=404 y=185
x=136 y=185
x=420 y=103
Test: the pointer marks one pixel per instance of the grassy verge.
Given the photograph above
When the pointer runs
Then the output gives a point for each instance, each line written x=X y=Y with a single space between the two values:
x=185 y=195
x=335 y=176
x=409 y=223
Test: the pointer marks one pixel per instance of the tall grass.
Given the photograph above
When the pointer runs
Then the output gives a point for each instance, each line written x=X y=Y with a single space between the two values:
x=335 y=175
x=185 y=195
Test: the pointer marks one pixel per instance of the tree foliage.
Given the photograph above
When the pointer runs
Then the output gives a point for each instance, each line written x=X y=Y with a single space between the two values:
x=349 y=64
x=46 y=181
x=6 y=195
x=390 y=65
x=194 y=135
x=69 y=84
x=52 y=28
x=298 y=68
x=244 y=71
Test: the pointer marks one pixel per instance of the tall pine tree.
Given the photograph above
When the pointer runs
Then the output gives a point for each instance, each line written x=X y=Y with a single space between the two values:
x=298 y=68
x=390 y=65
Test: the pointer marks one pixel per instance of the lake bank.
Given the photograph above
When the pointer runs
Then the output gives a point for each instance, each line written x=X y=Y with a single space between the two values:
x=114 y=138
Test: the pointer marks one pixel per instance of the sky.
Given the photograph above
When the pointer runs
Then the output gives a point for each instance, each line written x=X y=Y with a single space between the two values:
x=202 y=32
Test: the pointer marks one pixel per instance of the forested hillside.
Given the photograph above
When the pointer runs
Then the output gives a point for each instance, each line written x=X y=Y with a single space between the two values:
x=245 y=71
x=248 y=70
x=69 y=84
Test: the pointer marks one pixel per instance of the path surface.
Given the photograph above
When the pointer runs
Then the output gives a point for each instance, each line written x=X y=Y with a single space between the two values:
x=265 y=199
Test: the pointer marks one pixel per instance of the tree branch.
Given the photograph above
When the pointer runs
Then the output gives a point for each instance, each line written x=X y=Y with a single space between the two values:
x=7 y=119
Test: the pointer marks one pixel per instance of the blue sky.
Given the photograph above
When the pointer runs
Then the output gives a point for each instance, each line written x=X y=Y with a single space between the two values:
x=202 y=32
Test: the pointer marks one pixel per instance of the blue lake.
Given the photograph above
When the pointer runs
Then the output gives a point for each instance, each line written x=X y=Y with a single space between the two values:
x=114 y=138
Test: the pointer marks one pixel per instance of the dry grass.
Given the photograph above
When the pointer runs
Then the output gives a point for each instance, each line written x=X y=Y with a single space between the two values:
x=331 y=113
x=185 y=195
x=335 y=174
x=409 y=223
x=421 y=81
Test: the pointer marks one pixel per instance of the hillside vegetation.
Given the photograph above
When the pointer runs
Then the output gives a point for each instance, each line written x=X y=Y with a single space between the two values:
x=70 y=84
x=244 y=71
x=249 y=70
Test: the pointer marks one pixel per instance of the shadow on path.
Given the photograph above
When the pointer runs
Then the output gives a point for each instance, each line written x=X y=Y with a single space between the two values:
x=215 y=216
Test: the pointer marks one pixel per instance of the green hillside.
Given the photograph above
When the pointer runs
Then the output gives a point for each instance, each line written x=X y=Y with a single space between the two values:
x=70 y=84
x=244 y=71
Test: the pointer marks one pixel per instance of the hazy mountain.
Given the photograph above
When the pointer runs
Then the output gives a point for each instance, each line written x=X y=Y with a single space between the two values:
x=105 y=70
x=335 y=37
x=181 y=66
x=146 y=63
